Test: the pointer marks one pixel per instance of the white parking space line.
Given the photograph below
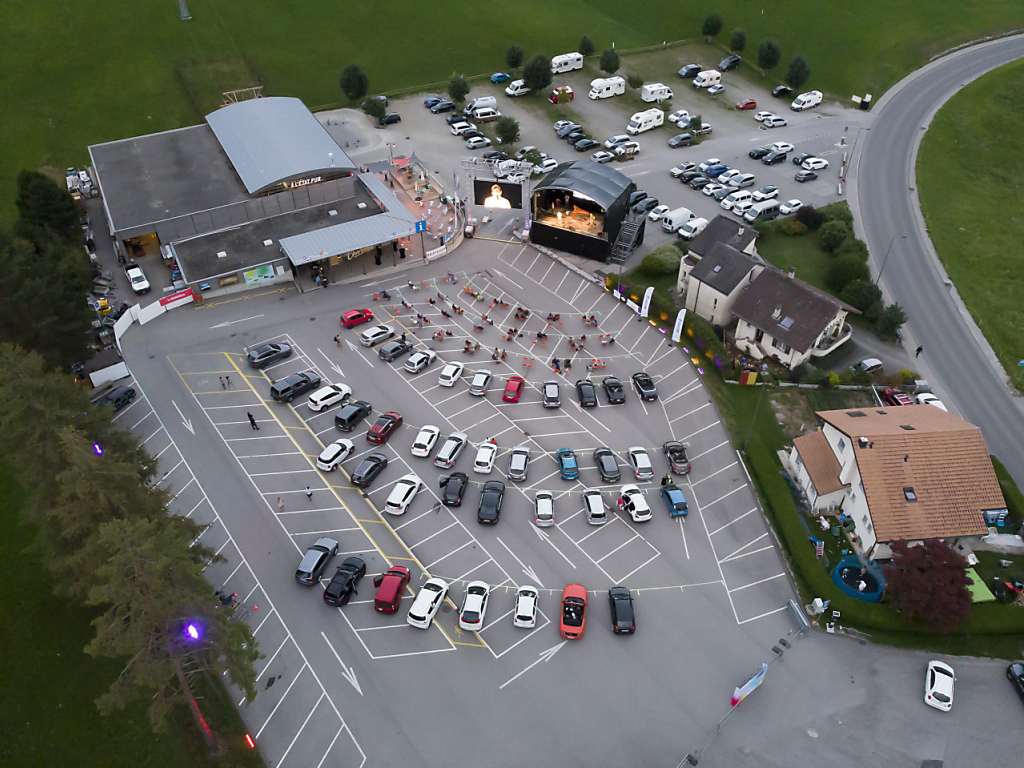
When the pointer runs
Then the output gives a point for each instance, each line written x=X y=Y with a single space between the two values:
x=723 y=527
x=723 y=469
x=301 y=729
x=718 y=563
x=733 y=555
x=476 y=568
x=762 y=615
x=591 y=308
x=730 y=493
x=428 y=566
x=690 y=413
x=413 y=519
x=559 y=434
x=547 y=272
x=331 y=530
x=307 y=511
x=627 y=541
x=645 y=562
x=289 y=472
x=459 y=413
x=643 y=333
x=702 y=429
x=628 y=319
x=709 y=450
x=340 y=731
x=745 y=554
x=755 y=583
x=279 y=703
x=442 y=402
x=665 y=353
x=692 y=386
x=271 y=661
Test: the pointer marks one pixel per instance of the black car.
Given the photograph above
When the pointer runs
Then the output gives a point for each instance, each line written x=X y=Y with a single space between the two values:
x=118 y=397
x=495 y=154
x=675 y=452
x=773 y=158
x=781 y=91
x=680 y=140
x=613 y=390
x=623 y=617
x=584 y=144
x=472 y=133
x=803 y=176
x=799 y=157
x=636 y=197
x=689 y=72
x=454 y=486
x=315 y=560
x=368 y=469
x=729 y=62
x=287 y=389
x=348 y=418
x=1015 y=674
x=575 y=136
x=490 y=502
x=646 y=205
x=759 y=152
x=644 y=386
x=394 y=350
x=343 y=584
x=687 y=176
x=699 y=183
x=458 y=117
x=724 y=192
x=430 y=101
x=552 y=397
x=442 y=106
x=605 y=461
x=265 y=354
x=391 y=118
x=565 y=130
x=587 y=395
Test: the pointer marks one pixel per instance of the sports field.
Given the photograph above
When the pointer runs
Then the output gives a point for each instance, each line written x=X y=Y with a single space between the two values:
x=88 y=71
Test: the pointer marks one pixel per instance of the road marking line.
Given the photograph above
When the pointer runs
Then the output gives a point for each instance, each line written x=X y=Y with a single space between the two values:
x=730 y=493
x=761 y=616
x=762 y=581
x=274 y=710
x=731 y=555
x=703 y=429
x=635 y=535
x=301 y=729
x=731 y=522
x=655 y=556
x=449 y=554
x=745 y=554
x=436 y=533
x=713 y=474
x=709 y=450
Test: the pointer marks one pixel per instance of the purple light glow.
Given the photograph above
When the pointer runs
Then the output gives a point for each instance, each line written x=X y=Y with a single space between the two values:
x=192 y=631
x=96 y=447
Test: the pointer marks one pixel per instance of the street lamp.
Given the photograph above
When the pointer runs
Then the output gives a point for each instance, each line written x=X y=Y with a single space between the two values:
x=886 y=259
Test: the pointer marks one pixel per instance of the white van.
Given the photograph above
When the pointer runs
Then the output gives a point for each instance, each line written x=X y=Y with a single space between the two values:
x=673 y=220
x=707 y=78
x=806 y=101
x=655 y=92
x=644 y=121
x=740 y=196
x=763 y=211
x=567 y=62
x=606 y=87
x=516 y=88
x=486 y=114
x=480 y=102
x=692 y=228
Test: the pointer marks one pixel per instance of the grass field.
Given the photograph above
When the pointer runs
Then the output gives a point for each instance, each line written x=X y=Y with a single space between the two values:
x=49 y=686
x=79 y=73
x=971 y=188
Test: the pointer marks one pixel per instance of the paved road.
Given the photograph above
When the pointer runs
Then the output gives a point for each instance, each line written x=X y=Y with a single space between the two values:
x=953 y=356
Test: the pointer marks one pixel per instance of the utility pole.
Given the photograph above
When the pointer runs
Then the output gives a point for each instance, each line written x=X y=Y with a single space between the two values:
x=886 y=259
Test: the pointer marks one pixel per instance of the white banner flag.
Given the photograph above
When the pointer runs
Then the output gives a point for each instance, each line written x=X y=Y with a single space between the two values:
x=646 y=306
x=677 y=330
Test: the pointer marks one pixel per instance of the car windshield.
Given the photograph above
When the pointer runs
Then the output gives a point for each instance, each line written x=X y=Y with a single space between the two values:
x=428 y=587
x=569 y=461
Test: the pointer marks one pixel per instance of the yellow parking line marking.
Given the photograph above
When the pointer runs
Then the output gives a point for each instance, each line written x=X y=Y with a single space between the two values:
x=471 y=645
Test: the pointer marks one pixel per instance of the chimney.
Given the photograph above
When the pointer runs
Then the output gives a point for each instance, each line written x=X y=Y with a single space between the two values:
x=777 y=313
x=863 y=442
x=792 y=273
x=740 y=231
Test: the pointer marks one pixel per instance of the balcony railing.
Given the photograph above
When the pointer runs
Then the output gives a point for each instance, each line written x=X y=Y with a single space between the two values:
x=829 y=343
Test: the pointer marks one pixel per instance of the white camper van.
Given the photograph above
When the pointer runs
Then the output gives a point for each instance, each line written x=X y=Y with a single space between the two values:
x=480 y=102
x=567 y=62
x=673 y=220
x=644 y=121
x=707 y=78
x=655 y=92
x=806 y=101
x=606 y=87
x=516 y=88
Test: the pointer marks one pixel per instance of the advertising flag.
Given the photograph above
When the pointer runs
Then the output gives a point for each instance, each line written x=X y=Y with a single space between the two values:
x=677 y=329
x=740 y=694
x=646 y=306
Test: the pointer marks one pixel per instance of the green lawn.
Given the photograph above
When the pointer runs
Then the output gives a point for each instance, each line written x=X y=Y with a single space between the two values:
x=85 y=72
x=968 y=175
x=49 y=685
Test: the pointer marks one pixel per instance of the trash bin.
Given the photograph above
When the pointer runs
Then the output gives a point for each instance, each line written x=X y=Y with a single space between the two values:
x=865 y=103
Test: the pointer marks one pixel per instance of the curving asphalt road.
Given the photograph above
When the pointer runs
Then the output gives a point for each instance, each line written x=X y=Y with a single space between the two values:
x=955 y=359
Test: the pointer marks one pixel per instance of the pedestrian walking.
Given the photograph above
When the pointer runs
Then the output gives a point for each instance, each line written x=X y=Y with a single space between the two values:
x=666 y=480
x=252 y=421
x=222 y=384
x=503 y=355
x=280 y=505
x=919 y=351
x=567 y=361
x=403 y=338
x=309 y=493
x=228 y=380
x=337 y=339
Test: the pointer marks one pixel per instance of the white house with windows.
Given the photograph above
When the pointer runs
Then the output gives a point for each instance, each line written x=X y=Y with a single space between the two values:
x=721 y=262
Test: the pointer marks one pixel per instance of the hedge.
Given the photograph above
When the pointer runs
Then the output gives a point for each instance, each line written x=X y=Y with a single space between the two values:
x=1011 y=493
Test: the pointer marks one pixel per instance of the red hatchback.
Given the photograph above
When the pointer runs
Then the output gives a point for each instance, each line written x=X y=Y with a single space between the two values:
x=513 y=389
x=356 y=317
x=574 y=612
x=746 y=104
x=894 y=397
x=383 y=427
x=390 y=586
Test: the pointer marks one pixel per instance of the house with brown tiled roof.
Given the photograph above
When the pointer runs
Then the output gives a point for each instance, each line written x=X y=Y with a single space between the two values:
x=907 y=473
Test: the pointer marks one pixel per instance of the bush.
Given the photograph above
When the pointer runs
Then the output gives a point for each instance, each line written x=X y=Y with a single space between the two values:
x=374 y=108
x=873 y=312
x=853 y=247
x=1011 y=493
x=514 y=56
x=799 y=71
x=586 y=46
x=537 y=73
x=810 y=217
x=634 y=81
x=832 y=234
x=738 y=41
x=837 y=212
x=792 y=227
x=768 y=54
x=712 y=26
x=681 y=245
x=507 y=129
x=458 y=88
x=861 y=294
x=844 y=270
x=354 y=82
x=663 y=260
x=892 y=319
x=609 y=63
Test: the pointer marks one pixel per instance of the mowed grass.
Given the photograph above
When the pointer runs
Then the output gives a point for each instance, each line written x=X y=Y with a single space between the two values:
x=79 y=73
x=972 y=194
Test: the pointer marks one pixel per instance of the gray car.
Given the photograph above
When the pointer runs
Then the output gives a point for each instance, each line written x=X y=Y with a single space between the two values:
x=315 y=561
x=606 y=463
x=478 y=386
x=519 y=463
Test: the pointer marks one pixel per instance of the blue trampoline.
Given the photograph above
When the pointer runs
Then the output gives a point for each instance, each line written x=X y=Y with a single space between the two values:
x=862 y=580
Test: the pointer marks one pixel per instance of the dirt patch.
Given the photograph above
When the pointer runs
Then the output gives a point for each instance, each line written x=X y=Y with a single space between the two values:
x=795 y=409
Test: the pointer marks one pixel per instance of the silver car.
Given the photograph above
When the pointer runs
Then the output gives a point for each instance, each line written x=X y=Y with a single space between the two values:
x=552 y=399
x=478 y=386
x=544 y=509
x=593 y=505
x=519 y=463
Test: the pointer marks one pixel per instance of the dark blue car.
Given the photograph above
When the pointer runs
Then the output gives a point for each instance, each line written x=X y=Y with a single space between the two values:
x=674 y=500
x=716 y=170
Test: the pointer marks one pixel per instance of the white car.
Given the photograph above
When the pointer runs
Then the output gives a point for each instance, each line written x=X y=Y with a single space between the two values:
x=376 y=335
x=335 y=453
x=478 y=142
x=485 y=456
x=327 y=396
x=679 y=115
x=420 y=360
x=742 y=207
x=474 y=606
x=766 y=193
x=516 y=177
x=425 y=439
x=544 y=166
x=692 y=228
x=138 y=280
x=403 y=493
x=762 y=116
x=742 y=181
x=658 y=211
x=927 y=398
x=628 y=146
x=427 y=603
x=450 y=449
x=682 y=168
x=790 y=206
x=774 y=122
x=635 y=503
x=938 y=686
x=703 y=167
x=710 y=189
x=729 y=175
x=593 y=505
x=460 y=128
x=560 y=124
x=450 y=374
x=814 y=164
x=602 y=157
x=525 y=614
x=614 y=141
x=716 y=89
x=478 y=385
x=544 y=509
x=782 y=146
x=640 y=460
x=522 y=153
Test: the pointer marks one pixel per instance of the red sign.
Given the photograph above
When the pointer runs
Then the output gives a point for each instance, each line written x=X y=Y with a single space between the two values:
x=179 y=296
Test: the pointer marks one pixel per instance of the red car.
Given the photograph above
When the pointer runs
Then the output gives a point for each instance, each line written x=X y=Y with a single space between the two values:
x=574 y=612
x=383 y=427
x=513 y=389
x=746 y=104
x=553 y=98
x=894 y=397
x=390 y=586
x=356 y=317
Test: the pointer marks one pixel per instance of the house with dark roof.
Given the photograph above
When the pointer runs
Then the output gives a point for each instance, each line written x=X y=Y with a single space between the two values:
x=789 y=320
x=905 y=473
x=721 y=262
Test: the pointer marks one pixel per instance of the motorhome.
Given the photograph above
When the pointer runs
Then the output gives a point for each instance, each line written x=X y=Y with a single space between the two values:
x=644 y=121
x=655 y=92
x=567 y=62
x=606 y=87
x=707 y=78
x=480 y=102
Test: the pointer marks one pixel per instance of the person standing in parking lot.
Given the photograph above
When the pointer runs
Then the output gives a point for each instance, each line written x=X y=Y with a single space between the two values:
x=252 y=421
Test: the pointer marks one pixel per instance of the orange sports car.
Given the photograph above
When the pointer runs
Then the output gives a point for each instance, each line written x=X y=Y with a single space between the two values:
x=574 y=612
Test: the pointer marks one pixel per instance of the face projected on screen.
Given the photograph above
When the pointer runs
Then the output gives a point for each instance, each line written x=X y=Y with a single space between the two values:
x=496 y=200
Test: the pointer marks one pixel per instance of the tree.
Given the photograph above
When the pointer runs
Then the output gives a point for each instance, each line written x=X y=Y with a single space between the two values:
x=890 y=321
x=861 y=294
x=853 y=246
x=537 y=73
x=43 y=204
x=844 y=270
x=609 y=62
x=799 y=71
x=354 y=82
x=663 y=260
x=586 y=46
x=809 y=216
x=712 y=26
x=832 y=234
x=695 y=123
x=514 y=56
x=738 y=41
x=458 y=88
x=533 y=156
x=928 y=584
x=769 y=53
x=507 y=129
x=634 y=81
x=374 y=108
